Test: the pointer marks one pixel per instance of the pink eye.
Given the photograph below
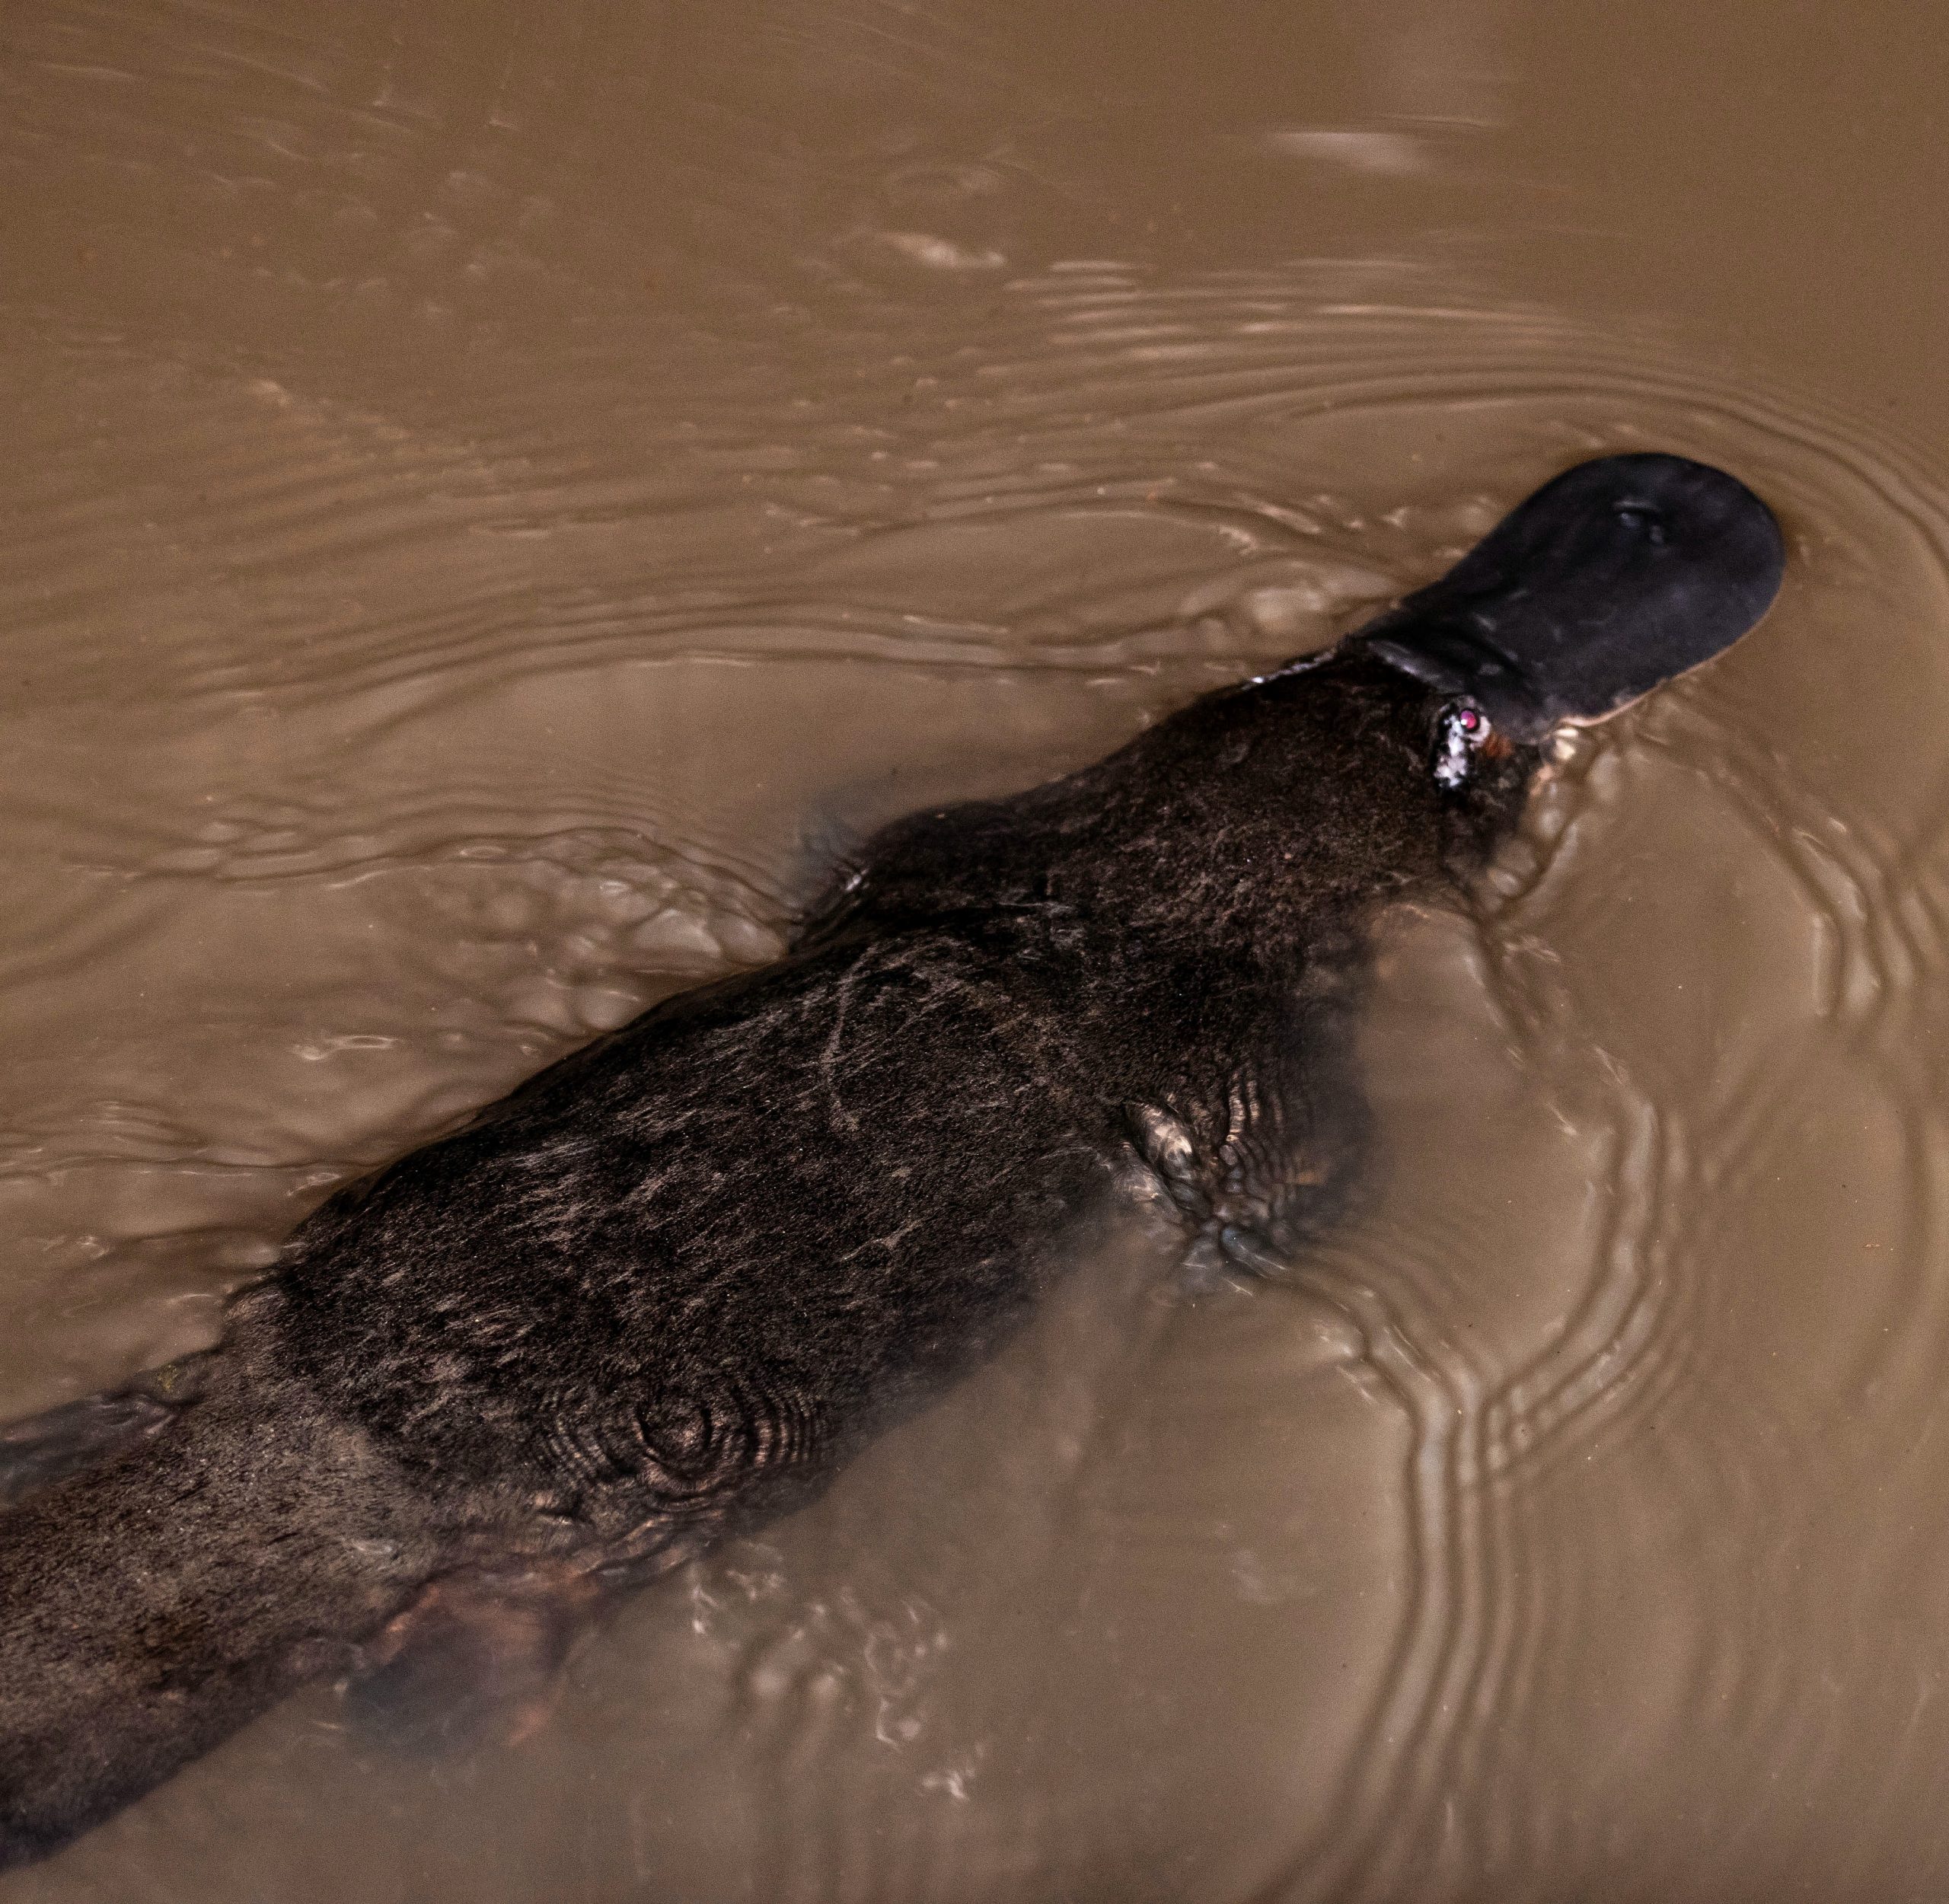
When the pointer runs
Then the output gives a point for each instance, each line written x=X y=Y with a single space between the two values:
x=1464 y=730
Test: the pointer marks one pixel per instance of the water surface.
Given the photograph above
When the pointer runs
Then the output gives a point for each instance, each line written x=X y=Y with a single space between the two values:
x=497 y=497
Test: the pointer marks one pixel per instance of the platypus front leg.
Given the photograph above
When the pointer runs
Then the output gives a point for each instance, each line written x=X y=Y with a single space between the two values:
x=1262 y=1166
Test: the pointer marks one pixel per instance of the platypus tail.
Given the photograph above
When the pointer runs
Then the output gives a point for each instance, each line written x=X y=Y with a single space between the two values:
x=154 y=1602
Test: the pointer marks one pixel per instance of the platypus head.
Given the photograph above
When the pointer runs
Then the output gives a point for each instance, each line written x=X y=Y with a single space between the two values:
x=1616 y=576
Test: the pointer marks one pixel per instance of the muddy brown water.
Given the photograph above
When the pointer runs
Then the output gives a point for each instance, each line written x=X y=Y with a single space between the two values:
x=495 y=495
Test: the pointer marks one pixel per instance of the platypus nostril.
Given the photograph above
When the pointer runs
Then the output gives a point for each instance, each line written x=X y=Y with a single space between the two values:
x=1641 y=516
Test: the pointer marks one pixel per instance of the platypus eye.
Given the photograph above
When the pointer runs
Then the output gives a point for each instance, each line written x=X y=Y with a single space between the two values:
x=1461 y=730
x=1644 y=518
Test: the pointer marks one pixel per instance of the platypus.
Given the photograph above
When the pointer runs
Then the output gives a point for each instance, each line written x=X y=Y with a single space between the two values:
x=664 y=1289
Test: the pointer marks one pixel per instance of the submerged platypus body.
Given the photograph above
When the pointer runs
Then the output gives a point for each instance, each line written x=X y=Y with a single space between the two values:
x=666 y=1288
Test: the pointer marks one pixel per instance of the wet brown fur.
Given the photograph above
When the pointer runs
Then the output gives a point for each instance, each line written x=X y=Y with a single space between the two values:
x=667 y=1287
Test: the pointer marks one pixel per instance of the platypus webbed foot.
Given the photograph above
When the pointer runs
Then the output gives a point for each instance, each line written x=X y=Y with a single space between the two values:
x=43 y=1449
x=474 y=1659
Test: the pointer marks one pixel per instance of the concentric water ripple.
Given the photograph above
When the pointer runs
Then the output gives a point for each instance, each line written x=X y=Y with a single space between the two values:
x=377 y=798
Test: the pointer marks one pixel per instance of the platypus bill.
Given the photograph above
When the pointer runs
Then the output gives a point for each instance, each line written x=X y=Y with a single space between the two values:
x=667 y=1287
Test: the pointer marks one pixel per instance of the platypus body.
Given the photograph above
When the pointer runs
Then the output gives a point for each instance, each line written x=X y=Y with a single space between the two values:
x=667 y=1287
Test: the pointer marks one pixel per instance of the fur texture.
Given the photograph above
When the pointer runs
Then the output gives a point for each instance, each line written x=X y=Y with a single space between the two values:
x=667 y=1287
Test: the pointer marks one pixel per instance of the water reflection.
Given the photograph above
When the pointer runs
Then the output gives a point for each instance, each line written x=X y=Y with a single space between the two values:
x=1440 y=66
